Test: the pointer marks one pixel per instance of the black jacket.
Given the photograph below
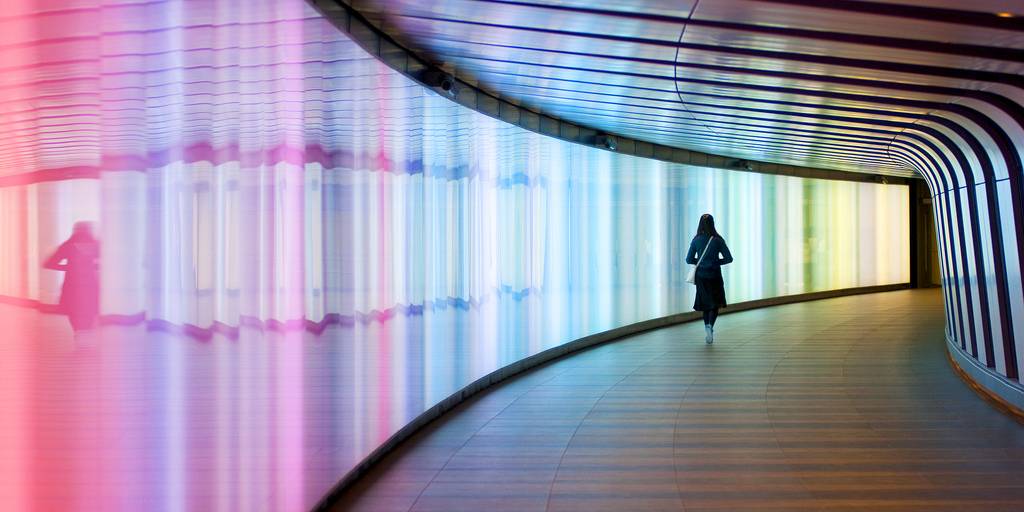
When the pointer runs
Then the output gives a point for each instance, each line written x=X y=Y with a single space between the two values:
x=718 y=255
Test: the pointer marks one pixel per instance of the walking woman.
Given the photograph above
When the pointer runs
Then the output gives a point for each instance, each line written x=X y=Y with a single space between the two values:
x=708 y=252
x=78 y=258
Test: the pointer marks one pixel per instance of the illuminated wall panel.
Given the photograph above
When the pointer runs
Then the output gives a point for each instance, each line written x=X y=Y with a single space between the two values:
x=253 y=169
x=193 y=243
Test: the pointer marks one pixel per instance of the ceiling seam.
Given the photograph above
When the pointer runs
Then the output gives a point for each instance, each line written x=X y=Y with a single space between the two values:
x=675 y=70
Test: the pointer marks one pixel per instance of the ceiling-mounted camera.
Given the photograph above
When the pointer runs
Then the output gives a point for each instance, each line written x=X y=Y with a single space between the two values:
x=603 y=140
x=436 y=78
x=740 y=164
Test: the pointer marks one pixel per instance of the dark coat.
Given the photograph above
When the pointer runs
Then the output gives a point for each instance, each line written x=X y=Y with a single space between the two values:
x=709 y=283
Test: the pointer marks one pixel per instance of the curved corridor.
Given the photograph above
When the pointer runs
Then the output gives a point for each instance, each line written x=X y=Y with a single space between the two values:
x=839 y=404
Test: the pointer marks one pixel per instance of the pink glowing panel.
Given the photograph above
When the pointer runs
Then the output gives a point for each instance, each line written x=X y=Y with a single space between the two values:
x=296 y=251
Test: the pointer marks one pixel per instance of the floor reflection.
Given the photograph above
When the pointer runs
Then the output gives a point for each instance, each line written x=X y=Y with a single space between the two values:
x=126 y=418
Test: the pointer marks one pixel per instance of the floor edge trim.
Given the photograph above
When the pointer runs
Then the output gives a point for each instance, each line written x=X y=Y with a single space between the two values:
x=971 y=372
x=555 y=353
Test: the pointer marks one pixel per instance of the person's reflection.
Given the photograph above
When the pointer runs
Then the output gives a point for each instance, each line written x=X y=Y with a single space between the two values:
x=78 y=257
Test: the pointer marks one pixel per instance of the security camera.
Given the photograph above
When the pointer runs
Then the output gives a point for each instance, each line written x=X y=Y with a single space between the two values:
x=438 y=79
x=606 y=141
x=740 y=164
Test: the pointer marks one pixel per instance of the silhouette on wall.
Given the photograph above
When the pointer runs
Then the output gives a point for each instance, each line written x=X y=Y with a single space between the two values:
x=78 y=257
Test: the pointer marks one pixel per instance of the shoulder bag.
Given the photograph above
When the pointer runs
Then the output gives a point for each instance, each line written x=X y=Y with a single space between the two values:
x=693 y=271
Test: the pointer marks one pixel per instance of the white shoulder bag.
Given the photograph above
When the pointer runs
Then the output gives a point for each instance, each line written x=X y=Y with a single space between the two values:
x=693 y=271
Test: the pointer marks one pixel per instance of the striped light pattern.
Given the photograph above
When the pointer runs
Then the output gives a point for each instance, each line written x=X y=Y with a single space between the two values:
x=252 y=169
x=928 y=87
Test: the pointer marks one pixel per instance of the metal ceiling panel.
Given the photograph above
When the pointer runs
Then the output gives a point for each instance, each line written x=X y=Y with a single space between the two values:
x=827 y=17
x=819 y=43
x=828 y=84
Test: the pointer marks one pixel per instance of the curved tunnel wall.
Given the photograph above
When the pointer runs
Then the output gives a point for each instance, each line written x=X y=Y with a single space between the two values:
x=294 y=180
x=930 y=86
x=970 y=157
x=969 y=153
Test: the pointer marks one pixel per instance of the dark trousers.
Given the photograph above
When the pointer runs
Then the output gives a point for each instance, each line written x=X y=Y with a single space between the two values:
x=710 y=316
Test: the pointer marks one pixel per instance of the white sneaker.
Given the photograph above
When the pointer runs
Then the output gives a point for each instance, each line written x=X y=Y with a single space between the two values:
x=709 y=338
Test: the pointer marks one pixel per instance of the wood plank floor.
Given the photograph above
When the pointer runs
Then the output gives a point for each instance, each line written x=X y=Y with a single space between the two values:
x=840 y=404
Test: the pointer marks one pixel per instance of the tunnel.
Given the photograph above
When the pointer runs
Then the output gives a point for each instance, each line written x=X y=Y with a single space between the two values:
x=455 y=254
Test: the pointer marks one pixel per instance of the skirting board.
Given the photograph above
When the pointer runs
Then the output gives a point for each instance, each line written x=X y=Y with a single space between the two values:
x=1005 y=395
x=560 y=351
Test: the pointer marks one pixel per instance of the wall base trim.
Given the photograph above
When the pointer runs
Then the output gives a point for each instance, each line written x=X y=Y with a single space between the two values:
x=1003 y=394
x=558 y=352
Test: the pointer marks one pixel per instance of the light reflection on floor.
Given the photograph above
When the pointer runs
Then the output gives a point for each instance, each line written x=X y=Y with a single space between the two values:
x=126 y=419
x=123 y=418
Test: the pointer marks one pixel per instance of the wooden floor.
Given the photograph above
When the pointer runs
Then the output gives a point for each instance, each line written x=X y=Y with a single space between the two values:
x=840 y=404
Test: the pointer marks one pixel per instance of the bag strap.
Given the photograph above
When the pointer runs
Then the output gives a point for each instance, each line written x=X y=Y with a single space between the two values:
x=706 y=247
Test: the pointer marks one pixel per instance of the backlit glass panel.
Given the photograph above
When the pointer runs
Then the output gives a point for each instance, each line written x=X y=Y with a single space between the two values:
x=302 y=250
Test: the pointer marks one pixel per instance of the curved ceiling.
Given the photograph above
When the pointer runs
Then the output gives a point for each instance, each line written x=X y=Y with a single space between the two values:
x=799 y=82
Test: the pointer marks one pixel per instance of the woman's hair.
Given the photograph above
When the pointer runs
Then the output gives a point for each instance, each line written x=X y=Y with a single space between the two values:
x=82 y=231
x=707 y=226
